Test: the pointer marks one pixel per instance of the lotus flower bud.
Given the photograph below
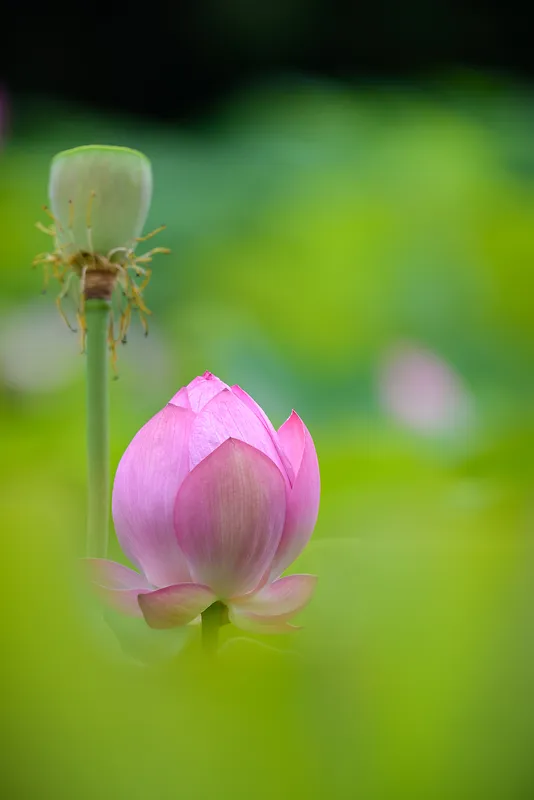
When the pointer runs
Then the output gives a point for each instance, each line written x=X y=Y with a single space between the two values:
x=212 y=504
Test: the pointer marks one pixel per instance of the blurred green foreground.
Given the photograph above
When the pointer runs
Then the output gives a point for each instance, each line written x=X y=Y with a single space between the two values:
x=314 y=232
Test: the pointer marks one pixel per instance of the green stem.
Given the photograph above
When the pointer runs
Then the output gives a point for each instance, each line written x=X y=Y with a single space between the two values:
x=97 y=316
x=212 y=619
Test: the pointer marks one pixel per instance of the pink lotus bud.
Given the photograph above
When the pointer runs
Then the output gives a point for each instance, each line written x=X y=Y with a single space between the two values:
x=212 y=504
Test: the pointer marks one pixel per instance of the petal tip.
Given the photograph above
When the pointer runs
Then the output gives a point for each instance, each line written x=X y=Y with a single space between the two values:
x=293 y=418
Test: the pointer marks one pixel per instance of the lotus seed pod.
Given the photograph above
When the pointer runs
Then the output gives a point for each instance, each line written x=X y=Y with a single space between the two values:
x=100 y=197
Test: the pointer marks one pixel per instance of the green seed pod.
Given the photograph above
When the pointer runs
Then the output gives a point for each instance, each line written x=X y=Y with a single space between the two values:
x=100 y=196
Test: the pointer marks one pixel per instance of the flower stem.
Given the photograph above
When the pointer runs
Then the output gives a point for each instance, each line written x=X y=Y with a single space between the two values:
x=97 y=316
x=212 y=619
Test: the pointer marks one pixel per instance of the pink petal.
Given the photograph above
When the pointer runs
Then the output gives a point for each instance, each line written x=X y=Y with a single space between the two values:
x=229 y=517
x=303 y=502
x=257 y=409
x=181 y=398
x=202 y=389
x=113 y=575
x=117 y=585
x=256 y=623
x=225 y=417
x=147 y=481
x=260 y=413
x=292 y=435
x=278 y=601
x=176 y=605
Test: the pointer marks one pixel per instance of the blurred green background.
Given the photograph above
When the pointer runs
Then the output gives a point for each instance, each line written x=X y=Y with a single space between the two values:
x=364 y=256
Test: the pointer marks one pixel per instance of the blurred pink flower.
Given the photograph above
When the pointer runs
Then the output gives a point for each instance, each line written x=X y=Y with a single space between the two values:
x=420 y=390
x=211 y=503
